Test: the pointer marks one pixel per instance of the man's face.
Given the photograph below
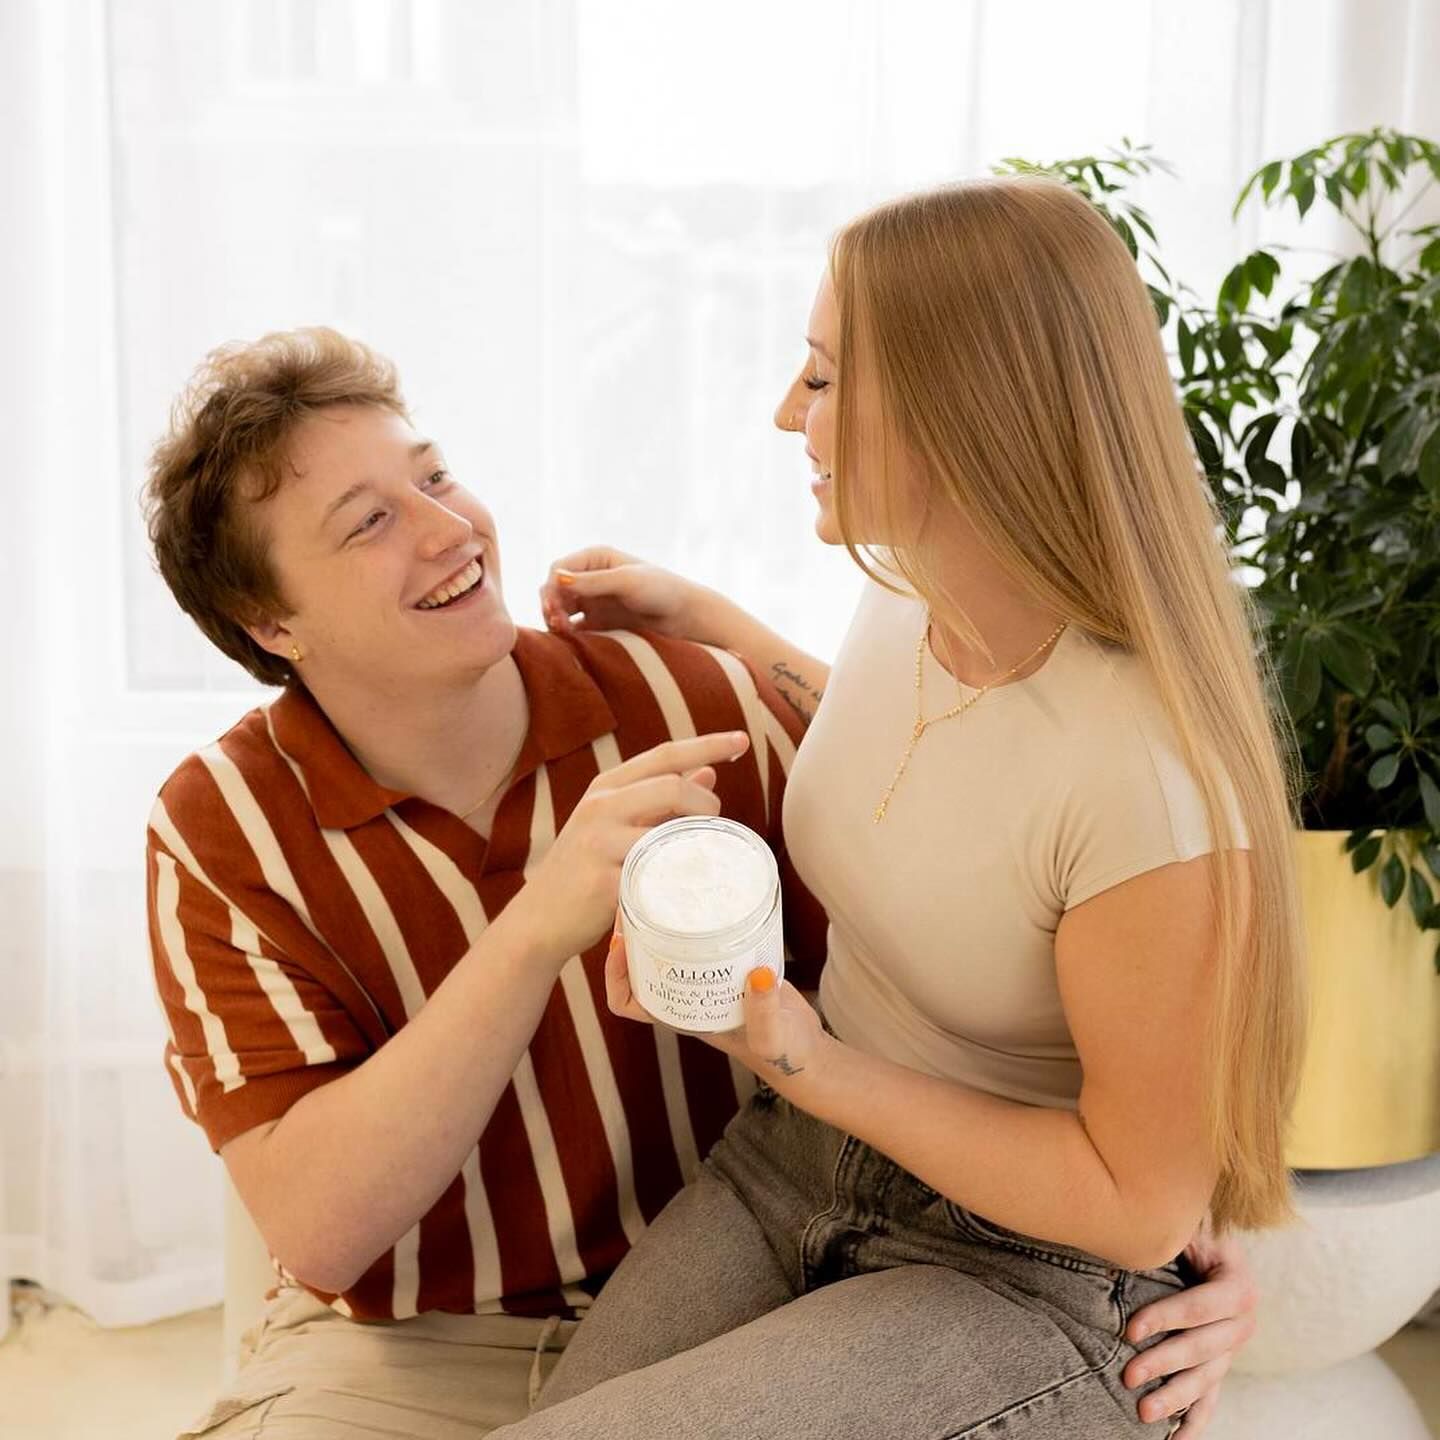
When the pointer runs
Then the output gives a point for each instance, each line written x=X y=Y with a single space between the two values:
x=391 y=568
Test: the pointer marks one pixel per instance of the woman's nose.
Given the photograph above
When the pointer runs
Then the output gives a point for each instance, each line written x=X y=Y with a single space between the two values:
x=790 y=413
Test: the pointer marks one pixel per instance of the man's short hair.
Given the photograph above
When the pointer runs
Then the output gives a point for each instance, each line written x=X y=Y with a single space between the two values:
x=225 y=452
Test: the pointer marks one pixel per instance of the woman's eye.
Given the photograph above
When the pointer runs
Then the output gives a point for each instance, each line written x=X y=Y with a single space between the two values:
x=368 y=523
x=438 y=478
x=814 y=382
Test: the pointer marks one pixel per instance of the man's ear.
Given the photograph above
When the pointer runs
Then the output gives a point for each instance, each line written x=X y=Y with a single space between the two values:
x=270 y=635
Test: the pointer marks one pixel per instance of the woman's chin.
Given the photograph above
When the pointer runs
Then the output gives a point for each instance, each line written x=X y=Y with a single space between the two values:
x=827 y=528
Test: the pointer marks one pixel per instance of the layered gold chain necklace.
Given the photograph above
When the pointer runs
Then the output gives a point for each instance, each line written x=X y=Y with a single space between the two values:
x=922 y=724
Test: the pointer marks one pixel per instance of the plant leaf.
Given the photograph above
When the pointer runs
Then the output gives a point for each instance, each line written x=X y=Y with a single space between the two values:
x=1430 y=466
x=1186 y=337
x=1430 y=799
x=1392 y=880
x=1381 y=737
x=1358 y=290
x=1422 y=899
x=1300 y=674
x=1383 y=771
x=1365 y=854
x=1235 y=289
x=1261 y=269
x=1397 y=715
x=1302 y=448
x=1348 y=661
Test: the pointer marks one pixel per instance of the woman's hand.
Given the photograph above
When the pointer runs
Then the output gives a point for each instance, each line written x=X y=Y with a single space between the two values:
x=1212 y=1322
x=781 y=1039
x=609 y=590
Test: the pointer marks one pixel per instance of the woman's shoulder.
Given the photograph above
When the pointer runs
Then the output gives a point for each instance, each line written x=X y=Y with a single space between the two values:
x=883 y=615
x=1114 y=694
x=1127 y=757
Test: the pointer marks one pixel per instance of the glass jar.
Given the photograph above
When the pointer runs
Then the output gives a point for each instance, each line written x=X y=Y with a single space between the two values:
x=688 y=968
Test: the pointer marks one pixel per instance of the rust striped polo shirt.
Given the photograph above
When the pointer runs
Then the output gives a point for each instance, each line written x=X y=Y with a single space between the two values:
x=300 y=914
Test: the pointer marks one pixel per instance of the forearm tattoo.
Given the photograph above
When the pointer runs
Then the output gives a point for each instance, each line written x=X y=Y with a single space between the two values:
x=796 y=690
x=785 y=1065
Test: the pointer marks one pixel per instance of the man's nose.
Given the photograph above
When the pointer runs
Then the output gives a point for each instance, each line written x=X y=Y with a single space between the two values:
x=442 y=529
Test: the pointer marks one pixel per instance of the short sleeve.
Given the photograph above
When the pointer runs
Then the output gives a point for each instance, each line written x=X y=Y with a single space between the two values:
x=250 y=1032
x=1128 y=811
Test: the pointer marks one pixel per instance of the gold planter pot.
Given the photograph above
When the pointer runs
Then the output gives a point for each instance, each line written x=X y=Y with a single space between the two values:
x=1370 y=1092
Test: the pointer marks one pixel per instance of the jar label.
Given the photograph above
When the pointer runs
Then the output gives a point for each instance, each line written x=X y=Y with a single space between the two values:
x=696 y=994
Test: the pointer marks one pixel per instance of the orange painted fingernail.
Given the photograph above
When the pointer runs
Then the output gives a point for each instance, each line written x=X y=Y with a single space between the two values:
x=564 y=577
x=762 y=978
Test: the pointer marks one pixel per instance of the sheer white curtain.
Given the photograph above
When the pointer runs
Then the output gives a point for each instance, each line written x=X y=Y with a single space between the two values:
x=588 y=231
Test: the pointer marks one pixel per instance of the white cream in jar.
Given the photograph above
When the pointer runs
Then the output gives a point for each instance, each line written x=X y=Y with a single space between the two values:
x=700 y=909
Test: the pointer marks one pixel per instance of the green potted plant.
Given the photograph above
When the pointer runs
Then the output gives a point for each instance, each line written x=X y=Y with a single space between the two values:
x=1312 y=393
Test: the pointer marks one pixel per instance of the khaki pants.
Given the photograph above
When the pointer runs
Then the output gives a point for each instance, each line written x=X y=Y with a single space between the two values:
x=310 y=1374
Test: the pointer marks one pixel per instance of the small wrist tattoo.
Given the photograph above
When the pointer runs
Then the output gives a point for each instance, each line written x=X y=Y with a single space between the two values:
x=785 y=1065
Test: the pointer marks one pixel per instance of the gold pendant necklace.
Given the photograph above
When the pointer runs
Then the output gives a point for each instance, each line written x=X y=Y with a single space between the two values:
x=922 y=724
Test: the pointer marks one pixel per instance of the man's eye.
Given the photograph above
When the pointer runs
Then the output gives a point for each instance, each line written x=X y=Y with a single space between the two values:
x=438 y=478
x=368 y=523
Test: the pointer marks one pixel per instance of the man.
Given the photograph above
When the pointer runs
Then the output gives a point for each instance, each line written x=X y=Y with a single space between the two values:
x=378 y=905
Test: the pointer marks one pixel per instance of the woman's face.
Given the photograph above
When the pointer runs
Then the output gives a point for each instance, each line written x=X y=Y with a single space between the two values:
x=808 y=406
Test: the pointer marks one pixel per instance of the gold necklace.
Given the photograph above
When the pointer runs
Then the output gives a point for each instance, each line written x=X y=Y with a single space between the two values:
x=500 y=784
x=485 y=798
x=922 y=724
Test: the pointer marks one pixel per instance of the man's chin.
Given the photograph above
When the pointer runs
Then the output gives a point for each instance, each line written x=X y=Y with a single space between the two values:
x=497 y=643
x=465 y=657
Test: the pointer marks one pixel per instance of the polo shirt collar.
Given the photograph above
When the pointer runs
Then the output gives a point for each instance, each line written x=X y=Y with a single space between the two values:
x=567 y=711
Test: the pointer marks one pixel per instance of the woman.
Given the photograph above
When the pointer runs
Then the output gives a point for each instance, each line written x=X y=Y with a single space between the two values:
x=1047 y=811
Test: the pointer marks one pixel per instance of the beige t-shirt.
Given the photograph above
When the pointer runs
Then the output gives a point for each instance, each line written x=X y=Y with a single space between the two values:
x=942 y=918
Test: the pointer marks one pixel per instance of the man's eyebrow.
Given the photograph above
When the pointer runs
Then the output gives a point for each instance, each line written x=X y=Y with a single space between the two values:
x=361 y=486
x=817 y=346
x=341 y=501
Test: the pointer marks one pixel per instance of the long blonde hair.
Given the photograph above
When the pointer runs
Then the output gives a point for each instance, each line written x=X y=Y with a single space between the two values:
x=1016 y=362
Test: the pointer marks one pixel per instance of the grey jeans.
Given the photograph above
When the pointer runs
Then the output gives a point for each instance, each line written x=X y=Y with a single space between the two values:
x=805 y=1286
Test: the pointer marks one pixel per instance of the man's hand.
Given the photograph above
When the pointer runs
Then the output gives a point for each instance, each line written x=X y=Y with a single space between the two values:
x=1212 y=1322
x=571 y=896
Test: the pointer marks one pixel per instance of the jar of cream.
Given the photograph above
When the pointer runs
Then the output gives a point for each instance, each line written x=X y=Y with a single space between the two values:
x=700 y=909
